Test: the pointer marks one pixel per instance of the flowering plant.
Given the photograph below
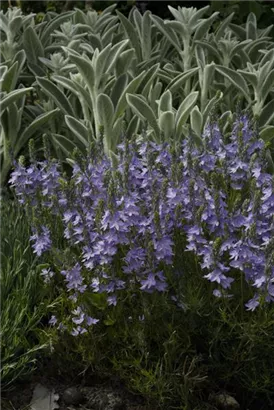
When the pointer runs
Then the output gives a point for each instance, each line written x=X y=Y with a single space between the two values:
x=126 y=226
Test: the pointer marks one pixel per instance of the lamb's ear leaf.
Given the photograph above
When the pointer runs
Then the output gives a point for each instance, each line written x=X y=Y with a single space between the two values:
x=131 y=33
x=52 y=91
x=221 y=29
x=123 y=61
x=178 y=81
x=130 y=88
x=167 y=123
x=267 y=114
x=168 y=32
x=54 y=24
x=119 y=86
x=78 y=129
x=165 y=103
x=105 y=110
x=133 y=126
x=235 y=78
x=143 y=110
x=267 y=133
x=146 y=35
x=32 y=45
x=13 y=96
x=185 y=109
x=204 y=26
x=196 y=120
x=114 y=54
x=85 y=68
x=10 y=78
x=39 y=122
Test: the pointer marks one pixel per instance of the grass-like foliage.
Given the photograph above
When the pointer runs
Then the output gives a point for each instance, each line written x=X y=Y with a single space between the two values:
x=23 y=298
x=163 y=261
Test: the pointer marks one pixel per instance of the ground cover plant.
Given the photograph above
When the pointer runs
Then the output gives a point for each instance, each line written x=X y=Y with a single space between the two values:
x=151 y=221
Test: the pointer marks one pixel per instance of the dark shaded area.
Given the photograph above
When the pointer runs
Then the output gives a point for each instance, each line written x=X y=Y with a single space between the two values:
x=262 y=9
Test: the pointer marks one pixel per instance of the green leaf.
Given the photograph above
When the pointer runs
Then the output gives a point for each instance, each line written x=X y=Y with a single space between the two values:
x=267 y=134
x=32 y=45
x=168 y=33
x=20 y=58
x=106 y=115
x=100 y=64
x=184 y=110
x=208 y=74
x=85 y=68
x=65 y=144
x=178 y=81
x=54 y=24
x=116 y=133
x=196 y=120
x=13 y=96
x=78 y=129
x=167 y=123
x=13 y=120
x=165 y=103
x=236 y=79
x=141 y=108
x=267 y=114
x=221 y=29
x=3 y=70
x=10 y=78
x=210 y=105
x=179 y=27
x=115 y=54
x=15 y=24
x=124 y=61
x=146 y=35
x=251 y=27
x=131 y=33
x=270 y=162
x=251 y=77
x=210 y=47
x=108 y=35
x=238 y=30
x=52 y=91
x=119 y=86
x=154 y=95
x=74 y=88
x=267 y=85
x=131 y=88
x=33 y=127
x=133 y=126
x=198 y=15
x=147 y=80
x=204 y=26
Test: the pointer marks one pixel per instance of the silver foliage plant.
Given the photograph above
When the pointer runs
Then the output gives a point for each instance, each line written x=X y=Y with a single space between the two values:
x=78 y=76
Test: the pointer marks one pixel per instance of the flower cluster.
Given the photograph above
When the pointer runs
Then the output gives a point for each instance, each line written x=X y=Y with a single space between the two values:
x=123 y=219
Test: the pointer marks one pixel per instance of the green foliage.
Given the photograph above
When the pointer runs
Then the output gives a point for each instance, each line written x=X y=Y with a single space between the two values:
x=261 y=9
x=79 y=74
x=23 y=298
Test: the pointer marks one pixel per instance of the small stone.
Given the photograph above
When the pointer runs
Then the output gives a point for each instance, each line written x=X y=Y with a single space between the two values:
x=101 y=398
x=73 y=396
x=224 y=401
x=115 y=402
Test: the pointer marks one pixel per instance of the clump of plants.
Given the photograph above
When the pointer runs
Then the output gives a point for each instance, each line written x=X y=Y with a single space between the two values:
x=175 y=233
x=24 y=299
x=70 y=74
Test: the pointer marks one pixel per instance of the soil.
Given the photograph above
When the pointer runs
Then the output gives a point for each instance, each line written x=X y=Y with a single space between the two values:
x=20 y=396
